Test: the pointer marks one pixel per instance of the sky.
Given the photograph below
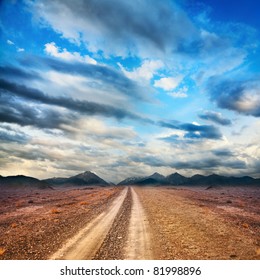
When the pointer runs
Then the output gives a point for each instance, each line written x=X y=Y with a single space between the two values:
x=128 y=88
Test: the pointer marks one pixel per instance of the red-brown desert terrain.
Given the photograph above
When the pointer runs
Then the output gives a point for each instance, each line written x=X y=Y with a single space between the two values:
x=130 y=223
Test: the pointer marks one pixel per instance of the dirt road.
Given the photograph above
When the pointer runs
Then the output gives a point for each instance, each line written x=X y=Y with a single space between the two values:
x=131 y=223
x=87 y=242
x=120 y=232
x=168 y=223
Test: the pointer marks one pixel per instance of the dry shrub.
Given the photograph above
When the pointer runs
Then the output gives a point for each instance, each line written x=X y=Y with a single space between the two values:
x=55 y=211
x=2 y=251
x=245 y=225
x=18 y=204
x=241 y=204
x=83 y=203
x=14 y=225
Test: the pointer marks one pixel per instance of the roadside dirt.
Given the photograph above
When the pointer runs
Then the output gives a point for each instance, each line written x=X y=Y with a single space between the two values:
x=35 y=224
x=182 y=227
x=131 y=223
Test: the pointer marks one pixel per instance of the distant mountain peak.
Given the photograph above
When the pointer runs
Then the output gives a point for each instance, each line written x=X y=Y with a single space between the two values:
x=156 y=175
x=88 y=172
x=83 y=179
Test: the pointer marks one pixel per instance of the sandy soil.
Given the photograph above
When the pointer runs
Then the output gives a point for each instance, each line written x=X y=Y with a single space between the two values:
x=35 y=224
x=131 y=223
x=198 y=224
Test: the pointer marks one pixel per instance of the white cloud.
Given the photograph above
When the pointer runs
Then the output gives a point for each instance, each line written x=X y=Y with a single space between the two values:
x=168 y=83
x=53 y=50
x=145 y=72
x=9 y=42
x=62 y=79
x=182 y=93
x=96 y=128
x=219 y=64
x=250 y=100
x=178 y=94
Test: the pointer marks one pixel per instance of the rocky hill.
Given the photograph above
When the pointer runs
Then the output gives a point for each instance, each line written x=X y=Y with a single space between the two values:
x=83 y=179
x=22 y=182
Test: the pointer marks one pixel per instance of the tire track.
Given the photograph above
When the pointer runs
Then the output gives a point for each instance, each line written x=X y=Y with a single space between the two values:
x=138 y=245
x=86 y=243
x=113 y=246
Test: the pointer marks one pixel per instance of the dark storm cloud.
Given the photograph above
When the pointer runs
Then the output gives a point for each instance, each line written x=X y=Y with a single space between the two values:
x=209 y=163
x=215 y=117
x=223 y=153
x=241 y=96
x=125 y=23
x=12 y=72
x=194 y=131
x=14 y=110
x=123 y=27
x=20 y=112
x=30 y=153
x=102 y=76
x=201 y=164
x=25 y=116
x=149 y=160
x=11 y=136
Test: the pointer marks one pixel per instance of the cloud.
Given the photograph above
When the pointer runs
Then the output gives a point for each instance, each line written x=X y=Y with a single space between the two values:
x=179 y=94
x=83 y=107
x=14 y=110
x=171 y=139
x=215 y=117
x=53 y=50
x=223 y=153
x=145 y=72
x=100 y=130
x=209 y=164
x=194 y=131
x=105 y=75
x=12 y=136
x=168 y=83
x=9 y=42
x=118 y=27
x=200 y=165
x=21 y=154
x=11 y=72
x=242 y=96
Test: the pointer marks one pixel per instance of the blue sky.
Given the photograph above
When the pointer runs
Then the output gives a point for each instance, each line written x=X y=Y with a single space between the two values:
x=127 y=88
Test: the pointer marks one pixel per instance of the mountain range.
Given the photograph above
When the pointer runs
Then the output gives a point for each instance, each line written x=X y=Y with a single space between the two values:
x=88 y=179
x=177 y=179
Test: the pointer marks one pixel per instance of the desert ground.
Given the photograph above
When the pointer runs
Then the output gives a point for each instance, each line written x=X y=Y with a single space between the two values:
x=130 y=223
